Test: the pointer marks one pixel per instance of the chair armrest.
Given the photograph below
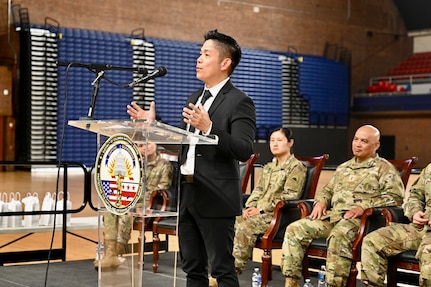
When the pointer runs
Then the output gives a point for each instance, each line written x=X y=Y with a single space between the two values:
x=395 y=214
x=306 y=206
x=155 y=197
x=275 y=222
x=159 y=199
x=371 y=220
x=285 y=212
x=164 y=195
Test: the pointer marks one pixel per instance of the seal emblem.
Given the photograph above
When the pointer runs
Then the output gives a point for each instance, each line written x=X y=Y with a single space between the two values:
x=118 y=174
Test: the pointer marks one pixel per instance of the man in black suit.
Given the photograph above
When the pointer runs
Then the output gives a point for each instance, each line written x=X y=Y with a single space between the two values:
x=210 y=188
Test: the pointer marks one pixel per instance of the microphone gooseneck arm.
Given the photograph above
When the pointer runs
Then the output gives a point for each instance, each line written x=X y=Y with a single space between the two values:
x=99 y=70
x=104 y=67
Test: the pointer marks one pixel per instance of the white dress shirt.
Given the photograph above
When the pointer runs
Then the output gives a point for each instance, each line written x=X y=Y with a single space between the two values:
x=188 y=167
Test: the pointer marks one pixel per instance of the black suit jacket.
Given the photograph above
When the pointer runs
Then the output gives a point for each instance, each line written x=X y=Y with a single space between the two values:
x=216 y=176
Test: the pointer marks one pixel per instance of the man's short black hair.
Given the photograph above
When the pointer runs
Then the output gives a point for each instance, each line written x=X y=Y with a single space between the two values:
x=228 y=46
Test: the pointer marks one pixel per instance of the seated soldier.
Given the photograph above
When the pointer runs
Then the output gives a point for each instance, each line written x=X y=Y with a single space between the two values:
x=394 y=239
x=281 y=179
x=117 y=228
x=364 y=181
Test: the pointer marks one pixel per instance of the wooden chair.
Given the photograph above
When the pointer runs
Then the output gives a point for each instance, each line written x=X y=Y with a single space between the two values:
x=370 y=221
x=404 y=166
x=162 y=225
x=168 y=226
x=405 y=260
x=159 y=200
x=286 y=212
x=163 y=200
x=246 y=169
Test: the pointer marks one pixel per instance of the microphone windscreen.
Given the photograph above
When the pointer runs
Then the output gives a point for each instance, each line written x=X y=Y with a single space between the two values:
x=162 y=71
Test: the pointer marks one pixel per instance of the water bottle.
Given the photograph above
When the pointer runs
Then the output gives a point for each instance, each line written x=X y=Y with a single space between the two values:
x=321 y=277
x=256 y=278
x=308 y=283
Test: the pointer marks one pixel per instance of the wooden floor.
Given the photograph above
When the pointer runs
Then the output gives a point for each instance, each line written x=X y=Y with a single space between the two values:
x=42 y=180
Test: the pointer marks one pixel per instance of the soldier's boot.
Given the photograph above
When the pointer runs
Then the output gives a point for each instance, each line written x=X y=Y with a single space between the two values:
x=291 y=282
x=121 y=248
x=212 y=282
x=110 y=259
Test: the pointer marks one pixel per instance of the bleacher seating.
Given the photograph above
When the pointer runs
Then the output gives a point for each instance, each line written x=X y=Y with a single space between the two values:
x=405 y=88
x=418 y=63
x=384 y=87
x=402 y=79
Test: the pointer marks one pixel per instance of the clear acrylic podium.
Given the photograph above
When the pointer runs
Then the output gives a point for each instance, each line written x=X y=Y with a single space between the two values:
x=130 y=273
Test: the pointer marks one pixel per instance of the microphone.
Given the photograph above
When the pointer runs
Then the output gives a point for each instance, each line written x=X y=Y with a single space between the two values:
x=159 y=72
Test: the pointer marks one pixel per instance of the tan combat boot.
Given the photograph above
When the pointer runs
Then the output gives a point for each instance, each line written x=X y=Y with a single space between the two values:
x=121 y=248
x=291 y=282
x=110 y=259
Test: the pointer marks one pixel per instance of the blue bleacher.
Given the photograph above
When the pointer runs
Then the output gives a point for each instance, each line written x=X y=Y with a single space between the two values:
x=91 y=47
x=325 y=83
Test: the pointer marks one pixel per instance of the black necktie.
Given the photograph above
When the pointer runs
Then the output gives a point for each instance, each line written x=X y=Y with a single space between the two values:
x=205 y=97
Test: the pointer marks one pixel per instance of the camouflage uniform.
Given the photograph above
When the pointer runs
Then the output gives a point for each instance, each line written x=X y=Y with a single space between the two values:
x=277 y=182
x=159 y=176
x=371 y=183
x=396 y=238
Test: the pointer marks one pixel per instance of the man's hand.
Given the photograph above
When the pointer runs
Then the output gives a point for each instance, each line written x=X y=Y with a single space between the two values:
x=249 y=212
x=419 y=220
x=137 y=113
x=197 y=117
x=318 y=210
x=354 y=213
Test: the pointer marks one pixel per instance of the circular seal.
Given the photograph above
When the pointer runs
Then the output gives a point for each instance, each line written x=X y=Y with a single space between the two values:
x=118 y=174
